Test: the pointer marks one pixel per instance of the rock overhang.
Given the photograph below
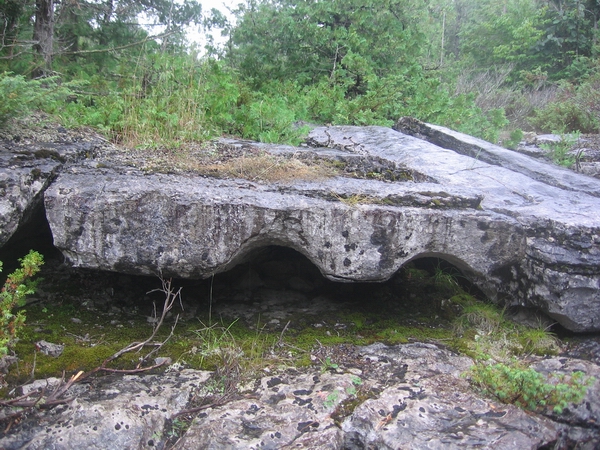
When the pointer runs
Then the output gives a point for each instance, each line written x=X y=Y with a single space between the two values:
x=522 y=240
x=195 y=226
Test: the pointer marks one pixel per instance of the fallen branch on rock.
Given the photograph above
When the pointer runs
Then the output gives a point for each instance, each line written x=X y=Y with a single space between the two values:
x=171 y=297
x=39 y=399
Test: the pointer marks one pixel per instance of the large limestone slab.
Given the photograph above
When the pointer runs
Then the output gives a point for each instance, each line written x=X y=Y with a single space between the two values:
x=28 y=164
x=521 y=238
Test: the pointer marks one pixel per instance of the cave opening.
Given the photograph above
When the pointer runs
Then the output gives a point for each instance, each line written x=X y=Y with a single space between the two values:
x=272 y=286
x=278 y=287
x=32 y=234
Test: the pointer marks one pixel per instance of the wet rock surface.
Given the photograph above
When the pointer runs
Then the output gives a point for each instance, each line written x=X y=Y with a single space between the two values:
x=386 y=397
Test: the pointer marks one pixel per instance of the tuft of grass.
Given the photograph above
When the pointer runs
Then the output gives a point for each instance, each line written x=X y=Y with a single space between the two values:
x=483 y=332
x=355 y=199
x=268 y=168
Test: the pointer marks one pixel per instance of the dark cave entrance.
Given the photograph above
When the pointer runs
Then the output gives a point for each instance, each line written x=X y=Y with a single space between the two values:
x=275 y=285
x=32 y=234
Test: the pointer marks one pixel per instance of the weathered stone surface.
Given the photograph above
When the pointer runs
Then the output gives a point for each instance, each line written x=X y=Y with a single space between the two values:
x=27 y=167
x=558 y=210
x=524 y=231
x=194 y=226
x=433 y=407
x=387 y=397
x=22 y=181
x=494 y=155
x=407 y=396
x=48 y=348
x=124 y=412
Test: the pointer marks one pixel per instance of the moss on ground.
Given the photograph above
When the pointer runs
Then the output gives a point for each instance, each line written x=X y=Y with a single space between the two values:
x=435 y=309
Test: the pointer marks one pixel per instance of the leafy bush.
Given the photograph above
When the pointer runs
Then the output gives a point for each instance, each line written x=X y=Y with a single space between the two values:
x=528 y=388
x=559 y=151
x=18 y=96
x=16 y=287
x=576 y=108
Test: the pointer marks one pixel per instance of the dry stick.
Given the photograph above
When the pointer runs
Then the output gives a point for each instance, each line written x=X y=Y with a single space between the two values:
x=136 y=370
x=133 y=44
x=160 y=344
x=51 y=400
x=171 y=297
x=55 y=397
x=280 y=340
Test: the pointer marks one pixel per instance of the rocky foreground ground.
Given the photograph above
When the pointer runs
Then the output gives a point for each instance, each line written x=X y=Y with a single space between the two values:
x=411 y=396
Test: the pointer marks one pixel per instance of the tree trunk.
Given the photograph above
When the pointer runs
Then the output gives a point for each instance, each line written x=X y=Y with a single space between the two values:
x=43 y=35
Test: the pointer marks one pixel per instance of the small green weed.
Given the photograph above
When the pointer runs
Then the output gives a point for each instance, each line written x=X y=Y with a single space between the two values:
x=328 y=365
x=516 y=136
x=16 y=287
x=331 y=399
x=559 y=151
x=528 y=388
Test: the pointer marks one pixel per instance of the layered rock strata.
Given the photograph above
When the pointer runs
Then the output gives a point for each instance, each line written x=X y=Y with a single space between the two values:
x=524 y=231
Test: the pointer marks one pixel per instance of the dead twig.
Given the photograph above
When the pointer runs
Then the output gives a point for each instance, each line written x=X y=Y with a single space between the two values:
x=39 y=399
x=213 y=404
x=171 y=296
x=136 y=370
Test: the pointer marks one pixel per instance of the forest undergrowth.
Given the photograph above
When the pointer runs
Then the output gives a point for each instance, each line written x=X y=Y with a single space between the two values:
x=487 y=69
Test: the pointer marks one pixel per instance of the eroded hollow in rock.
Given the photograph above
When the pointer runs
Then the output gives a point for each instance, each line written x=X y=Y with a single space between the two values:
x=274 y=288
x=33 y=234
x=276 y=285
x=275 y=294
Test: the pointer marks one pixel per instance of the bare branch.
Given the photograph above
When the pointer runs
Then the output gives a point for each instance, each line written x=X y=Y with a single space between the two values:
x=112 y=49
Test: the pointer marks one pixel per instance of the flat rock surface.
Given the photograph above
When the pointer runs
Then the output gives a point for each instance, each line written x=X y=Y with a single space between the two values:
x=406 y=396
x=122 y=412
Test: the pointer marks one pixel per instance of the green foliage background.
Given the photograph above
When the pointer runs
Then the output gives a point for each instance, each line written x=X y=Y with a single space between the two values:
x=478 y=66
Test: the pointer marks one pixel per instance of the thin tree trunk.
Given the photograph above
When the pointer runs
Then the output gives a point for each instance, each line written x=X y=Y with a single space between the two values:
x=43 y=35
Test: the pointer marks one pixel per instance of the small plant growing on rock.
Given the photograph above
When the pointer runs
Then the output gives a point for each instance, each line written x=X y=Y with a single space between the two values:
x=516 y=136
x=328 y=365
x=17 y=286
x=529 y=389
x=559 y=151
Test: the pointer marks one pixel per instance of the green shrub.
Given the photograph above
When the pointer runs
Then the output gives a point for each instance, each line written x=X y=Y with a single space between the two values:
x=576 y=108
x=19 y=96
x=16 y=287
x=516 y=136
x=559 y=151
x=529 y=389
